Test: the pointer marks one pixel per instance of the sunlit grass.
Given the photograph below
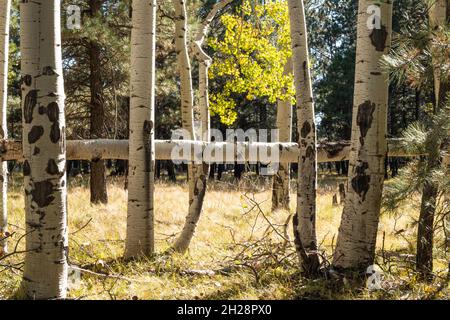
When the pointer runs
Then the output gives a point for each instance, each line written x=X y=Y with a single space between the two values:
x=97 y=236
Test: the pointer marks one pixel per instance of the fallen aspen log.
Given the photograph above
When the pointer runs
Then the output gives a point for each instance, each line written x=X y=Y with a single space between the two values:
x=178 y=150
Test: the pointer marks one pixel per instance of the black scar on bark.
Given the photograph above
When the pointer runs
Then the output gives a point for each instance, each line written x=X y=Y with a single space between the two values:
x=41 y=215
x=42 y=194
x=303 y=143
x=36 y=151
x=378 y=38
x=52 y=167
x=27 y=80
x=53 y=116
x=55 y=132
x=361 y=182
x=29 y=104
x=48 y=71
x=306 y=129
x=26 y=168
x=310 y=152
x=364 y=118
x=53 y=112
x=35 y=134
x=148 y=126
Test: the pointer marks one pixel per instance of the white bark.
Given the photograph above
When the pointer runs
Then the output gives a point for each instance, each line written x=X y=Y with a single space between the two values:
x=358 y=230
x=45 y=269
x=118 y=149
x=197 y=174
x=140 y=220
x=184 y=67
x=307 y=173
x=5 y=7
x=281 y=181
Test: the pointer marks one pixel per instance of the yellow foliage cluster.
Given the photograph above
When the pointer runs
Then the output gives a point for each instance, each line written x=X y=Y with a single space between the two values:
x=251 y=57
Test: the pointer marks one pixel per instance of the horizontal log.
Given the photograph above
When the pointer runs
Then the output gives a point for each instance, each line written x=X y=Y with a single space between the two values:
x=198 y=150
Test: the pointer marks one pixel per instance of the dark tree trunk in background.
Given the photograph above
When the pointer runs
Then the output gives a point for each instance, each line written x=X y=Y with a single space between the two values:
x=338 y=167
x=239 y=169
x=212 y=170
x=417 y=106
x=345 y=167
x=393 y=165
x=97 y=119
x=424 y=258
x=158 y=169
x=220 y=170
x=438 y=17
x=171 y=171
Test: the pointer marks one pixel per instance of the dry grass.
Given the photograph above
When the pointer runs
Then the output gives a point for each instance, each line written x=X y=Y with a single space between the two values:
x=226 y=226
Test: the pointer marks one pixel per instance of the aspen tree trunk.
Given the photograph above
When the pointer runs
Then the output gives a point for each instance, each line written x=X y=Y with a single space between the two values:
x=356 y=241
x=205 y=62
x=200 y=173
x=281 y=181
x=5 y=8
x=97 y=183
x=197 y=174
x=425 y=231
x=305 y=232
x=140 y=220
x=45 y=269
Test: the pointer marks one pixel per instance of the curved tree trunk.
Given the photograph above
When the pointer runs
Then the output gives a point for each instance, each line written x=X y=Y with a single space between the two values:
x=5 y=7
x=197 y=174
x=140 y=220
x=45 y=269
x=281 y=181
x=356 y=241
x=307 y=173
x=97 y=183
x=438 y=16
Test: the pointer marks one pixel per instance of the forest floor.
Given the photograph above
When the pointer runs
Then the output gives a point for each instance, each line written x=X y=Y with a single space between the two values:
x=239 y=250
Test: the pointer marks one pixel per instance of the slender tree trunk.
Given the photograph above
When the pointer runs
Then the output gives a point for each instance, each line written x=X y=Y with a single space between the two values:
x=98 y=172
x=307 y=173
x=5 y=8
x=45 y=269
x=425 y=230
x=356 y=241
x=197 y=174
x=281 y=181
x=140 y=221
x=438 y=16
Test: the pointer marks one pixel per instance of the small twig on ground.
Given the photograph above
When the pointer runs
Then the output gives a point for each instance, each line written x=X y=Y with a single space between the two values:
x=82 y=227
